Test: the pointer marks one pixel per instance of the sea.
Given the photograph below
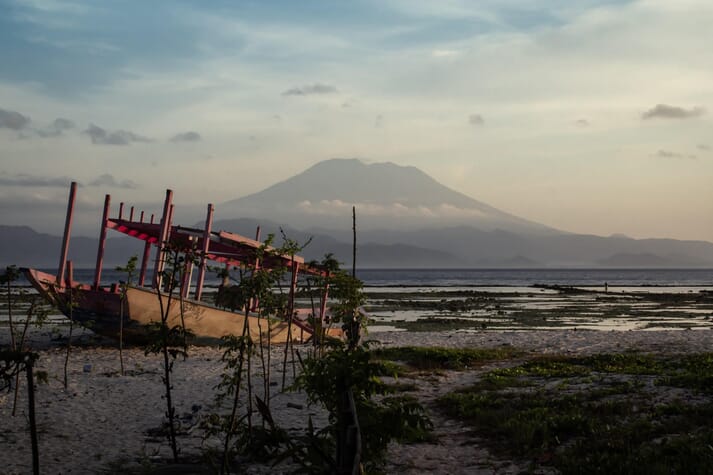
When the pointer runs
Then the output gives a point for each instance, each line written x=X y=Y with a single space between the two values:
x=577 y=277
x=399 y=297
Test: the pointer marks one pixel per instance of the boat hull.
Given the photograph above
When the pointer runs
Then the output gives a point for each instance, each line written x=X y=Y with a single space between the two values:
x=101 y=310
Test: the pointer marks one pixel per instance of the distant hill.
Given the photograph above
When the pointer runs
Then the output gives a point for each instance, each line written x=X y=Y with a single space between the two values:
x=24 y=247
x=404 y=219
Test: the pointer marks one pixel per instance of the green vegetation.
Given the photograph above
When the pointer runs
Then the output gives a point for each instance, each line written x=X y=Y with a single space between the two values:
x=445 y=358
x=607 y=413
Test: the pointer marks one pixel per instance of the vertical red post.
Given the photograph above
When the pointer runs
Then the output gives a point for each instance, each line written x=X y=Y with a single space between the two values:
x=163 y=236
x=325 y=296
x=102 y=243
x=204 y=251
x=188 y=268
x=121 y=210
x=141 y=218
x=131 y=214
x=256 y=302
x=67 y=232
x=293 y=287
x=144 y=263
x=70 y=273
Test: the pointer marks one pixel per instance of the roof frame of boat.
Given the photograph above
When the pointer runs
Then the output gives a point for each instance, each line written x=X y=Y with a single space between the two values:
x=221 y=246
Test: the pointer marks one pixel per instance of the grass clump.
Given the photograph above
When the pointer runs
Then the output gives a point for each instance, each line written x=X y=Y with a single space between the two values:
x=445 y=358
x=608 y=413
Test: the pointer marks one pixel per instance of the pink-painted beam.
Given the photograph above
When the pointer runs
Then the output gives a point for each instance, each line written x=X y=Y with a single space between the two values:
x=70 y=274
x=102 y=243
x=256 y=302
x=204 y=251
x=67 y=232
x=144 y=263
x=165 y=226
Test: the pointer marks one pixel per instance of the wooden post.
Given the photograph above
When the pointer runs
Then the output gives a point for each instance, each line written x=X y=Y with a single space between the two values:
x=293 y=287
x=70 y=273
x=67 y=232
x=121 y=210
x=33 y=424
x=187 y=269
x=325 y=296
x=204 y=251
x=353 y=241
x=131 y=214
x=256 y=301
x=144 y=263
x=141 y=218
x=102 y=243
x=163 y=236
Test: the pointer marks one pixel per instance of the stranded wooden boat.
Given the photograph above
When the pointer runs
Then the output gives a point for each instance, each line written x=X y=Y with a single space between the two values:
x=100 y=308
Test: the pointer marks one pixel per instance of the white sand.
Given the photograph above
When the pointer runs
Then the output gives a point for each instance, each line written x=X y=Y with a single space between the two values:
x=104 y=418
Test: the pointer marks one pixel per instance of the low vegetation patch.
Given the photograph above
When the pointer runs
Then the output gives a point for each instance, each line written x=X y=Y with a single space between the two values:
x=607 y=413
x=445 y=358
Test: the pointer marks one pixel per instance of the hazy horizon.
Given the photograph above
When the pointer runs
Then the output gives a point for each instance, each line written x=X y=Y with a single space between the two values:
x=590 y=118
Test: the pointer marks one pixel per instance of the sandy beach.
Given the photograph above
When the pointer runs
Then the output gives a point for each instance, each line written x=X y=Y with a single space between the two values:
x=105 y=421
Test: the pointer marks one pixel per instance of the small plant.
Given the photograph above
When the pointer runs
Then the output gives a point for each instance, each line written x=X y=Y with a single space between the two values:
x=171 y=341
x=129 y=269
x=12 y=364
x=381 y=416
x=35 y=313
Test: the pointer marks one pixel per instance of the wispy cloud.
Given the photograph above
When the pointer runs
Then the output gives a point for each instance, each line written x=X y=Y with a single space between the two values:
x=108 y=180
x=13 y=120
x=670 y=154
x=311 y=89
x=56 y=128
x=476 y=119
x=702 y=146
x=189 y=136
x=339 y=207
x=663 y=111
x=581 y=123
x=34 y=181
x=100 y=136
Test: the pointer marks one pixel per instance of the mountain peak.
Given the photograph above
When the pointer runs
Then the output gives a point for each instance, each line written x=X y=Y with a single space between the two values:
x=383 y=194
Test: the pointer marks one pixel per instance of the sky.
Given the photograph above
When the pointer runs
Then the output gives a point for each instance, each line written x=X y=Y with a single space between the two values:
x=587 y=116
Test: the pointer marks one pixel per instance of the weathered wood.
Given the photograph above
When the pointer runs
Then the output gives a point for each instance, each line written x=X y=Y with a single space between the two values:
x=67 y=232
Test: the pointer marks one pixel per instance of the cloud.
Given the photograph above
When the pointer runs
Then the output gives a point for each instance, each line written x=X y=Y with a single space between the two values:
x=581 y=123
x=476 y=119
x=34 y=181
x=100 y=136
x=670 y=154
x=189 y=136
x=663 y=111
x=109 y=181
x=396 y=210
x=13 y=120
x=310 y=90
x=702 y=146
x=56 y=128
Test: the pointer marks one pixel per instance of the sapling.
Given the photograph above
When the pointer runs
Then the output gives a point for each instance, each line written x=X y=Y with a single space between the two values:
x=129 y=269
x=169 y=341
